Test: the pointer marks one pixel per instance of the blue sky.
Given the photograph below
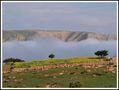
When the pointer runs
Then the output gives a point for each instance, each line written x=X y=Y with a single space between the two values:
x=74 y=16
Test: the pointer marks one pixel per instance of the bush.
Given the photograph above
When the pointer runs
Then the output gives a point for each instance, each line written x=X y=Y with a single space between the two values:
x=12 y=60
x=75 y=84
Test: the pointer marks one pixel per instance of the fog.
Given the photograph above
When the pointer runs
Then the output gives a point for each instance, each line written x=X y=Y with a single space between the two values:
x=41 y=48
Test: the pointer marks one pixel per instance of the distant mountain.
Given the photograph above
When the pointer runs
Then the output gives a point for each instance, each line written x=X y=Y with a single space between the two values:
x=66 y=36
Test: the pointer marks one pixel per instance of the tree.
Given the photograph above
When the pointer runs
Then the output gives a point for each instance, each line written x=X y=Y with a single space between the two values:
x=104 y=53
x=97 y=53
x=51 y=56
x=12 y=60
x=101 y=53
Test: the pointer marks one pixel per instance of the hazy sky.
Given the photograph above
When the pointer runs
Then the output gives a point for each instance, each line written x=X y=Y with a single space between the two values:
x=41 y=48
x=75 y=16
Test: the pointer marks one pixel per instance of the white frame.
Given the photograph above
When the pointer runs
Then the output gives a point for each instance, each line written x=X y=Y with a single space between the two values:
x=59 y=2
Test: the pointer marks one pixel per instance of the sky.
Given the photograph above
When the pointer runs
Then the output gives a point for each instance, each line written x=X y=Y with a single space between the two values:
x=97 y=17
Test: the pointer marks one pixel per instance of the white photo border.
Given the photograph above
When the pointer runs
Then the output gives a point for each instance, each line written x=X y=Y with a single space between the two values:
x=59 y=2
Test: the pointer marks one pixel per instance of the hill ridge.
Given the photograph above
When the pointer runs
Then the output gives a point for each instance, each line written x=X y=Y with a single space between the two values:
x=66 y=36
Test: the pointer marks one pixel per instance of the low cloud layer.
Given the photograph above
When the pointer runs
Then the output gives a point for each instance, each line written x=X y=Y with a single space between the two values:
x=41 y=48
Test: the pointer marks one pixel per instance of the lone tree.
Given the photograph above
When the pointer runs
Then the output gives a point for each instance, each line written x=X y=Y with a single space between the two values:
x=101 y=53
x=51 y=56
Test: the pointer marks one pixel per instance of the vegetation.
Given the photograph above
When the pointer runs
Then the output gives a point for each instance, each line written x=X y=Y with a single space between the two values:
x=75 y=84
x=51 y=56
x=12 y=60
x=56 y=61
x=61 y=77
x=101 y=53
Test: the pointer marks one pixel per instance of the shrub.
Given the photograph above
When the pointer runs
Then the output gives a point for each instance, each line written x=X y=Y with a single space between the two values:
x=83 y=72
x=12 y=60
x=75 y=84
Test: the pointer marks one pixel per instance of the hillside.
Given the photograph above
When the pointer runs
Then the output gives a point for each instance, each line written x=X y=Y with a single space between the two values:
x=66 y=36
x=78 y=72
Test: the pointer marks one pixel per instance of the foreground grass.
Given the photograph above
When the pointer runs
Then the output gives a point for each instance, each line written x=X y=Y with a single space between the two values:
x=61 y=78
x=56 y=61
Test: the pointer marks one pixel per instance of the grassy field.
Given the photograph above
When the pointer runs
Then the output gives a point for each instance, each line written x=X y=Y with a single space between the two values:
x=56 y=61
x=61 y=77
x=78 y=77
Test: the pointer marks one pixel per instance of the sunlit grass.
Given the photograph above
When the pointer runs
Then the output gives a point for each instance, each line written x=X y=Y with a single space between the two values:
x=57 y=61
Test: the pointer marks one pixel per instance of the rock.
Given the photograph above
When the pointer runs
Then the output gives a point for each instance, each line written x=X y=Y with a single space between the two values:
x=94 y=75
x=111 y=69
x=87 y=66
x=54 y=76
x=88 y=70
x=113 y=72
x=14 y=77
x=61 y=73
x=54 y=85
x=100 y=66
x=47 y=86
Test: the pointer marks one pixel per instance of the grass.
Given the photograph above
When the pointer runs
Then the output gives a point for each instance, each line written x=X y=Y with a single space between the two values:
x=56 y=61
x=61 y=77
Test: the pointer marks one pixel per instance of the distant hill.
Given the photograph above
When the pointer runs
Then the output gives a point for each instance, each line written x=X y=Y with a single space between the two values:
x=66 y=36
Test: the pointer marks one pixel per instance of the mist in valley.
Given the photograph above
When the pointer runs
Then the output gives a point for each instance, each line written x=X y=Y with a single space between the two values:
x=40 y=48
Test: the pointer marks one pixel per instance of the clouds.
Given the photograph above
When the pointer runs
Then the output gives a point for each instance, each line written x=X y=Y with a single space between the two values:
x=41 y=48
x=95 y=17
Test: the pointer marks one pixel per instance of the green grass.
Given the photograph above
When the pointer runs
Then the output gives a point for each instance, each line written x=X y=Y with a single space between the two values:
x=96 y=78
x=56 y=61
x=60 y=77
